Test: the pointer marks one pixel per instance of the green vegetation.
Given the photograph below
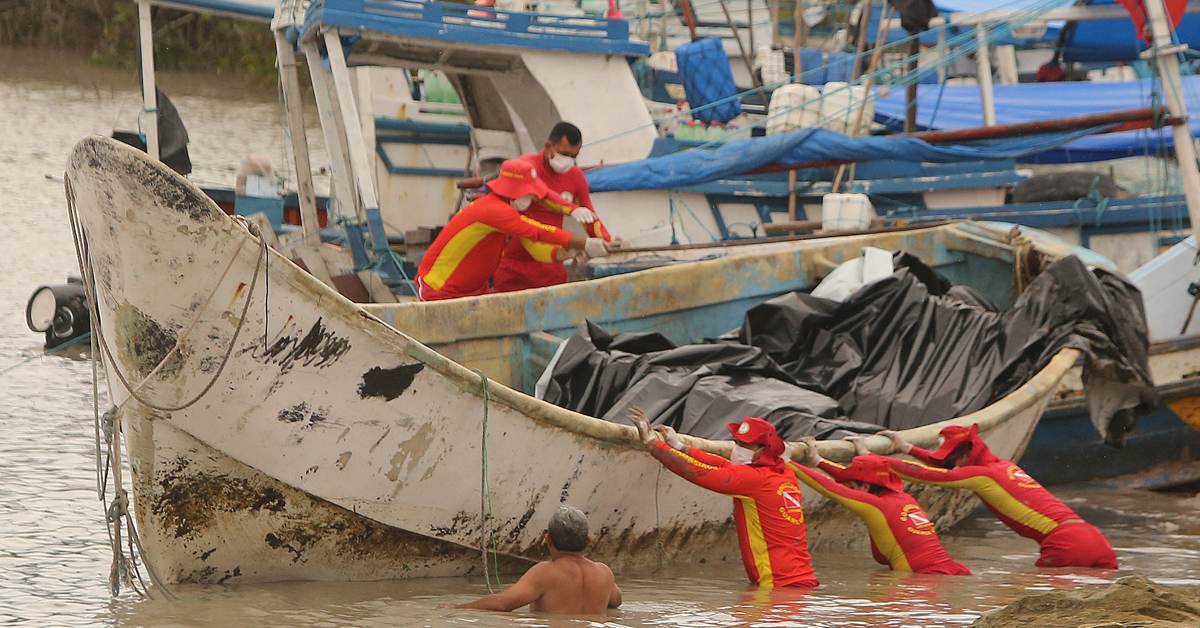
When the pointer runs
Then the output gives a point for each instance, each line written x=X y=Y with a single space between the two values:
x=105 y=31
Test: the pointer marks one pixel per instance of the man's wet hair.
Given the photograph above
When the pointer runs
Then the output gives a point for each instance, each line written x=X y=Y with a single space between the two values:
x=567 y=130
x=568 y=529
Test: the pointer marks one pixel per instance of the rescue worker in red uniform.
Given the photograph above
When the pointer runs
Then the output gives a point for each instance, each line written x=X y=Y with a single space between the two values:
x=466 y=253
x=767 y=504
x=902 y=535
x=964 y=461
x=525 y=263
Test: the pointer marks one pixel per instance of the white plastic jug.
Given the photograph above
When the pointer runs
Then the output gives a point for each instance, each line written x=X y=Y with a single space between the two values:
x=846 y=212
x=788 y=111
x=841 y=105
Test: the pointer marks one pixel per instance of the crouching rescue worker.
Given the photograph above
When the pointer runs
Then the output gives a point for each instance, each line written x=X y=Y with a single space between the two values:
x=902 y=535
x=964 y=461
x=767 y=505
x=524 y=264
x=467 y=252
x=568 y=583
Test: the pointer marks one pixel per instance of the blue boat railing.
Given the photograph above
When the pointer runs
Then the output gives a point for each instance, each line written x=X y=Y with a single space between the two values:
x=474 y=24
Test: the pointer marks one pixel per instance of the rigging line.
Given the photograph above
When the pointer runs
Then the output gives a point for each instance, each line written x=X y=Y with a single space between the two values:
x=967 y=39
x=902 y=79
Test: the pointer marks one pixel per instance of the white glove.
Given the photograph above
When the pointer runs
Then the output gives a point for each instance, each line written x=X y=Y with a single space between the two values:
x=642 y=423
x=860 y=445
x=812 y=457
x=594 y=247
x=583 y=215
x=898 y=442
x=619 y=243
x=668 y=433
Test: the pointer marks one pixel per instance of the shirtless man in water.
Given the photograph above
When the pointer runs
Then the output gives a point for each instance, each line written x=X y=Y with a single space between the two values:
x=567 y=584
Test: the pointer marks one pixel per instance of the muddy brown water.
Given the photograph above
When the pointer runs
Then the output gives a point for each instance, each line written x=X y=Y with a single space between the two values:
x=54 y=555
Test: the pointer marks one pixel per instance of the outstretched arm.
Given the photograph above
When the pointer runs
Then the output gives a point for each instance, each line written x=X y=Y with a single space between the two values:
x=962 y=477
x=526 y=591
x=614 y=596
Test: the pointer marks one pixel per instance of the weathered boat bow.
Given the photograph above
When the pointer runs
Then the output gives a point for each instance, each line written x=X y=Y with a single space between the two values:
x=278 y=431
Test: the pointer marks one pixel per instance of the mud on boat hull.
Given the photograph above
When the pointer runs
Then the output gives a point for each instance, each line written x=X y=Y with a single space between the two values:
x=332 y=446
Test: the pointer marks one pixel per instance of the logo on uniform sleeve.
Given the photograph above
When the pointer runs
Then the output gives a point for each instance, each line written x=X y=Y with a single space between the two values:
x=1021 y=478
x=918 y=522
x=533 y=173
x=792 y=502
x=568 y=197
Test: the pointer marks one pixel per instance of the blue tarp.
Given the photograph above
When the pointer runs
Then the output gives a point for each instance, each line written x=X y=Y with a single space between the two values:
x=960 y=109
x=693 y=167
x=1106 y=41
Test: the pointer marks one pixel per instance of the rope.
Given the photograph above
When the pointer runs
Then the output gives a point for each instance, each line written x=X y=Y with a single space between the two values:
x=487 y=529
x=133 y=391
x=1093 y=195
x=958 y=46
x=70 y=343
x=109 y=427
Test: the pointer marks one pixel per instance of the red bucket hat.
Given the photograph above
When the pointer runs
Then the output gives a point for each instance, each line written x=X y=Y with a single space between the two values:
x=954 y=436
x=754 y=431
x=870 y=468
x=518 y=178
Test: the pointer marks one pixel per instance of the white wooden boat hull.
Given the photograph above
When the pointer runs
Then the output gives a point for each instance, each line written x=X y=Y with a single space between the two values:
x=332 y=446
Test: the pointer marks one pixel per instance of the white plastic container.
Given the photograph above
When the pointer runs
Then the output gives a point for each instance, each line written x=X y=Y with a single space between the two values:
x=841 y=105
x=846 y=212
x=771 y=64
x=791 y=99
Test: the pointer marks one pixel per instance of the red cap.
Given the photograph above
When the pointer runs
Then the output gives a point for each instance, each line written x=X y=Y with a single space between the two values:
x=954 y=436
x=870 y=468
x=518 y=178
x=753 y=431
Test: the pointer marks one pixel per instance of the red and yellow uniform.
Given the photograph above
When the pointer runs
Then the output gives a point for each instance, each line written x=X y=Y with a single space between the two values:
x=1015 y=498
x=467 y=251
x=524 y=262
x=902 y=535
x=767 y=507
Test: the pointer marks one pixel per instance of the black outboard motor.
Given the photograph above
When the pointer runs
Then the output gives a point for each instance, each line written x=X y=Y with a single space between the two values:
x=61 y=312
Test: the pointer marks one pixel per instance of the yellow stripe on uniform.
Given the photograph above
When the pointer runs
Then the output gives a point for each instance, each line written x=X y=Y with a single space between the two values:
x=995 y=496
x=540 y=251
x=758 y=542
x=877 y=524
x=452 y=254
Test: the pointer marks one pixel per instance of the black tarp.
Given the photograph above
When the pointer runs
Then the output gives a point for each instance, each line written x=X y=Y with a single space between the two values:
x=906 y=351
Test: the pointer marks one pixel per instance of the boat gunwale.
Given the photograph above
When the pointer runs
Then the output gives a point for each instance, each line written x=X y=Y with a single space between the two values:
x=326 y=298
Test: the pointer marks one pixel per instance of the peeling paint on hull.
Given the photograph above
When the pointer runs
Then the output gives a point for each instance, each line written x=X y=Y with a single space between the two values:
x=333 y=446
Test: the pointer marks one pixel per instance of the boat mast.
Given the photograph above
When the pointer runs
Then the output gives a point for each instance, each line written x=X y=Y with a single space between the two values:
x=983 y=64
x=149 y=96
x=1165 y=53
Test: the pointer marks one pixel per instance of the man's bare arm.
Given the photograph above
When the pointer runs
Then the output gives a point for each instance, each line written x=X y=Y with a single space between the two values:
x=526 y=591
x=614 y=596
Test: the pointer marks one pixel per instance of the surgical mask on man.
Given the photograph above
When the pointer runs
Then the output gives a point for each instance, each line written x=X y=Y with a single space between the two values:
x=741 y=455
x=561 y=163
x=523 y=203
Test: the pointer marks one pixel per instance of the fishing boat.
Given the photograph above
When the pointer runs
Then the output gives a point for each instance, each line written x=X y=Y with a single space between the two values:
x=1165 y=449
x=277 y=431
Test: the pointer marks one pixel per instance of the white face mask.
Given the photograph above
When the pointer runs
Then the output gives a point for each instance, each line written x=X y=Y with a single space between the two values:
x=741 y=455
x=522 y=204
x=561 y=163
